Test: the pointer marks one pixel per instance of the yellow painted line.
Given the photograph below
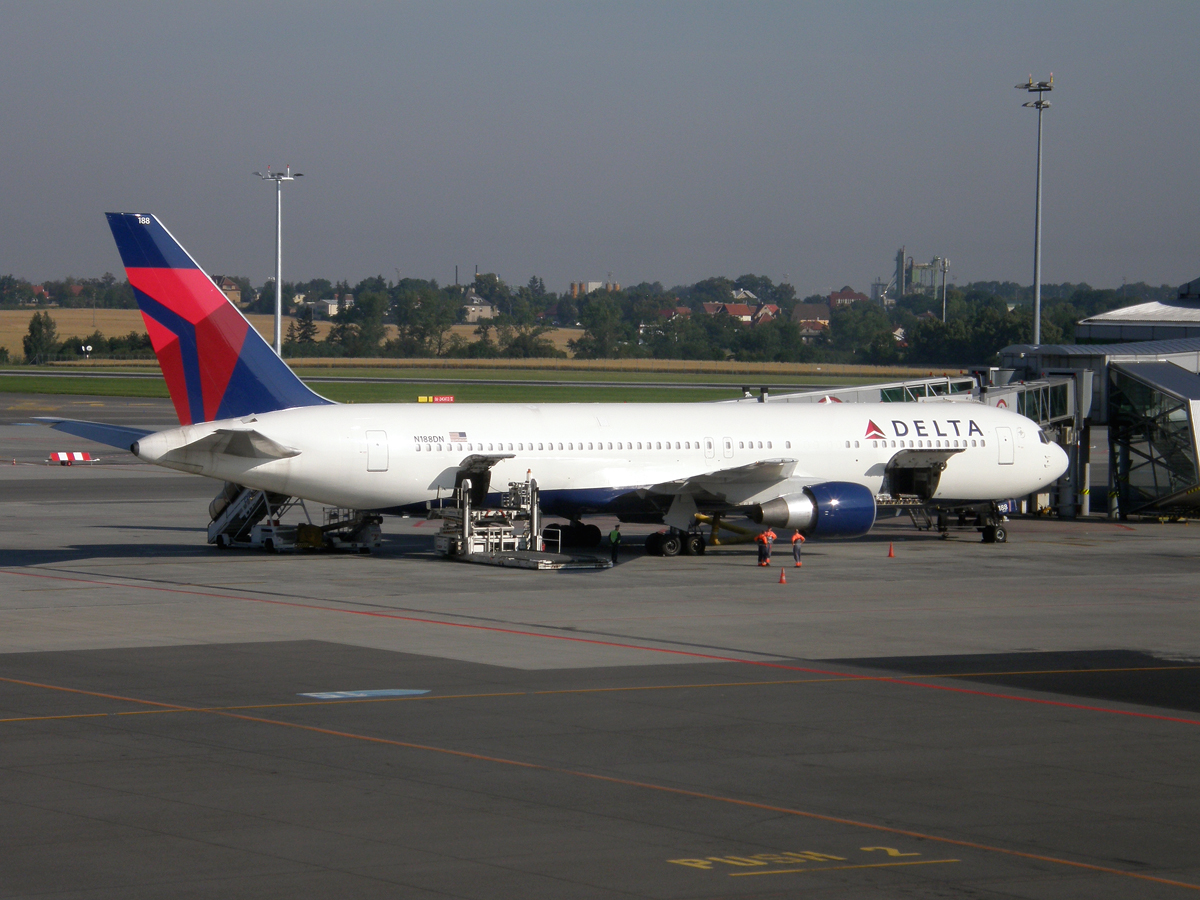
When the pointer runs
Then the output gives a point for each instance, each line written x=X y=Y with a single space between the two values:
x=923 y=862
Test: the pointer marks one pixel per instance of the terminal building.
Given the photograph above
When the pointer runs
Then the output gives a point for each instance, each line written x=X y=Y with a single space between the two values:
x=1153 y=321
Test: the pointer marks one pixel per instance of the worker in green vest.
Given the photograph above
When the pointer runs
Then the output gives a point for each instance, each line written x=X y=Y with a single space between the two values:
x=614 y=540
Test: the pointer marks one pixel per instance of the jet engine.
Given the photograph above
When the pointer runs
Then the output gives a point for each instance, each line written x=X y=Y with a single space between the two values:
x=829 y=509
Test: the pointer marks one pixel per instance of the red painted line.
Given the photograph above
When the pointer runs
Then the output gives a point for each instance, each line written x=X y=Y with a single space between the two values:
x=692 y=654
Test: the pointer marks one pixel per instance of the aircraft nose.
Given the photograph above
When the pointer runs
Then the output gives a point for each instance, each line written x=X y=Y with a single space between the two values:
x=1056 y=460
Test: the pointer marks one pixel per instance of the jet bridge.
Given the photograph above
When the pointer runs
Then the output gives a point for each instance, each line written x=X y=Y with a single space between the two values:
x=1153 y=410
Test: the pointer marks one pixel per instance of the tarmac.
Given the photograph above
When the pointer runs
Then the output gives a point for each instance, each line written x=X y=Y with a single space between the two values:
x=960 y=720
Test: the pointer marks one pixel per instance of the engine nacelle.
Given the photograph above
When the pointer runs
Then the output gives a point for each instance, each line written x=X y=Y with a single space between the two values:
x=829 y=509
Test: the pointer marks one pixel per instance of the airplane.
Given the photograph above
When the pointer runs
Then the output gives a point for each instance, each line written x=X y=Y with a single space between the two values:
x=246 y=418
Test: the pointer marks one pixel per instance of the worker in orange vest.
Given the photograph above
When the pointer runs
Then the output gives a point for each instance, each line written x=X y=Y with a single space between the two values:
x=797 y=545
x=770 y=543
x=763 y=551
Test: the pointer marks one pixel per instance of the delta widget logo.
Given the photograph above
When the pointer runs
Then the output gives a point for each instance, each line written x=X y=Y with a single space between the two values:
x=873 y=430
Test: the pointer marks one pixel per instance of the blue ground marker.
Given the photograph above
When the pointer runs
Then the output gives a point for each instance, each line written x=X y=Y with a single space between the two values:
x=363 y=695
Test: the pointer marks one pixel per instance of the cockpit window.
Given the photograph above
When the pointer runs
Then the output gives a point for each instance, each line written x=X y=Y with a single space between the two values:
x=1042 y=437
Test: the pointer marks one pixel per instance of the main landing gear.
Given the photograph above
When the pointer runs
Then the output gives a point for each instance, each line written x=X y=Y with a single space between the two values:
x=674 y=542
x=575 y=535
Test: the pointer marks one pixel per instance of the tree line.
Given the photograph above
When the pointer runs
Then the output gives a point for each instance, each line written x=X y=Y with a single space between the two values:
x=412 y=317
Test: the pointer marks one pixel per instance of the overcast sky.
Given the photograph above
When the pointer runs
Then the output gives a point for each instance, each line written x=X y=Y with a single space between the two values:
x=654 y=141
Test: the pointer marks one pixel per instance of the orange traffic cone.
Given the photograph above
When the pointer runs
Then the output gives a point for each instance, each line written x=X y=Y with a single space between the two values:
x=891 y=551
x=783 y=576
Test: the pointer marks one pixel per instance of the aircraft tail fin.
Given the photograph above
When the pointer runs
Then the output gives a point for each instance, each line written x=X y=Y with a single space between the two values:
x=215 y=364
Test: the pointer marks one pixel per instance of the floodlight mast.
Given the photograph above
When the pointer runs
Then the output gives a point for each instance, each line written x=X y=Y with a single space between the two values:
x=279 y=178
x=945 y=267
x=1039 y=88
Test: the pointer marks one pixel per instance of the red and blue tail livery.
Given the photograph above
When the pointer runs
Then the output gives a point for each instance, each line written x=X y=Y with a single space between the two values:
x=215 y=364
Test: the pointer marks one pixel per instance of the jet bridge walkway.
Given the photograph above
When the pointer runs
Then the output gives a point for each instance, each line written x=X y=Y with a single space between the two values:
x=1153 y=412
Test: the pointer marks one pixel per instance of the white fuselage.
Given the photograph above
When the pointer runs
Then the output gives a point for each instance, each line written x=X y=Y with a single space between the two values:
x=383 y=456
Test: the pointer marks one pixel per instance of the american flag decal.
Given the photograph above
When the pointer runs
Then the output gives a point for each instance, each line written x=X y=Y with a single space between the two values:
x=458 y=435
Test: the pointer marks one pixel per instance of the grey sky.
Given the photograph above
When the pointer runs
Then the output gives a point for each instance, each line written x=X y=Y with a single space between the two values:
x=655 y=141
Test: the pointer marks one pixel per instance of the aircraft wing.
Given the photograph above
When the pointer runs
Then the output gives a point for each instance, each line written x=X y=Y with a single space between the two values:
x=756 y=474
x=732 y=487
x=112 y=435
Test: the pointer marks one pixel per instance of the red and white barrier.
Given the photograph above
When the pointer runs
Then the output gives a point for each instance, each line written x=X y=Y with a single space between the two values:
x=67 y=458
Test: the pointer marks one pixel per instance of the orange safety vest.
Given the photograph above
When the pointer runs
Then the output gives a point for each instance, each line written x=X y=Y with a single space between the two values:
x=797 y=537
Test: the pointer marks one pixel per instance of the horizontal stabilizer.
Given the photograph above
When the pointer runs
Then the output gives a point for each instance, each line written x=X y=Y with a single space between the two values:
x=228 y=442
x=112 y=435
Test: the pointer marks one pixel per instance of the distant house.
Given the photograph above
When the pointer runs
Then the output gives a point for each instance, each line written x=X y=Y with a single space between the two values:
x=674 y=312
x=711 y=309
x=766 y=313
x=742 y=296
x=230 y=288
x=811 y=329
x=845 y=297
x=810 y=312
x=476 y=308
x=743 y=312
x=323 y=309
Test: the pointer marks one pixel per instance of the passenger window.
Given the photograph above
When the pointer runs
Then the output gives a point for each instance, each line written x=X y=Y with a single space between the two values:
x=610 y=445
x=639 y=445
x=658 y=446
x=856 y=445
x=983 y=443
x=787 y=445
x=847 y=445
x=768 y=445
x=741 y=445
x=539 y=446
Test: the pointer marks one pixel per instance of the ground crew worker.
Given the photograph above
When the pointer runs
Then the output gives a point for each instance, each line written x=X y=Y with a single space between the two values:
x=614 y=539
x=770 y=543
x=797 y=545
x=761 y=540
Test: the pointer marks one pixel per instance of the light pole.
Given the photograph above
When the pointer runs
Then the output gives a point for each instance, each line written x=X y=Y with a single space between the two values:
x=1039 y=88
x=279 y=178
x=945 y=265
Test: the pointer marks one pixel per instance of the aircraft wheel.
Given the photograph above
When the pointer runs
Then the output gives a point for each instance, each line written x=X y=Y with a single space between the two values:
x=672 y=544
x=654 y=544
x=269 y=545
x=693 y=545
x=1001 y=534
x=222 y=542
x=989 y=534
x=591 y=536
